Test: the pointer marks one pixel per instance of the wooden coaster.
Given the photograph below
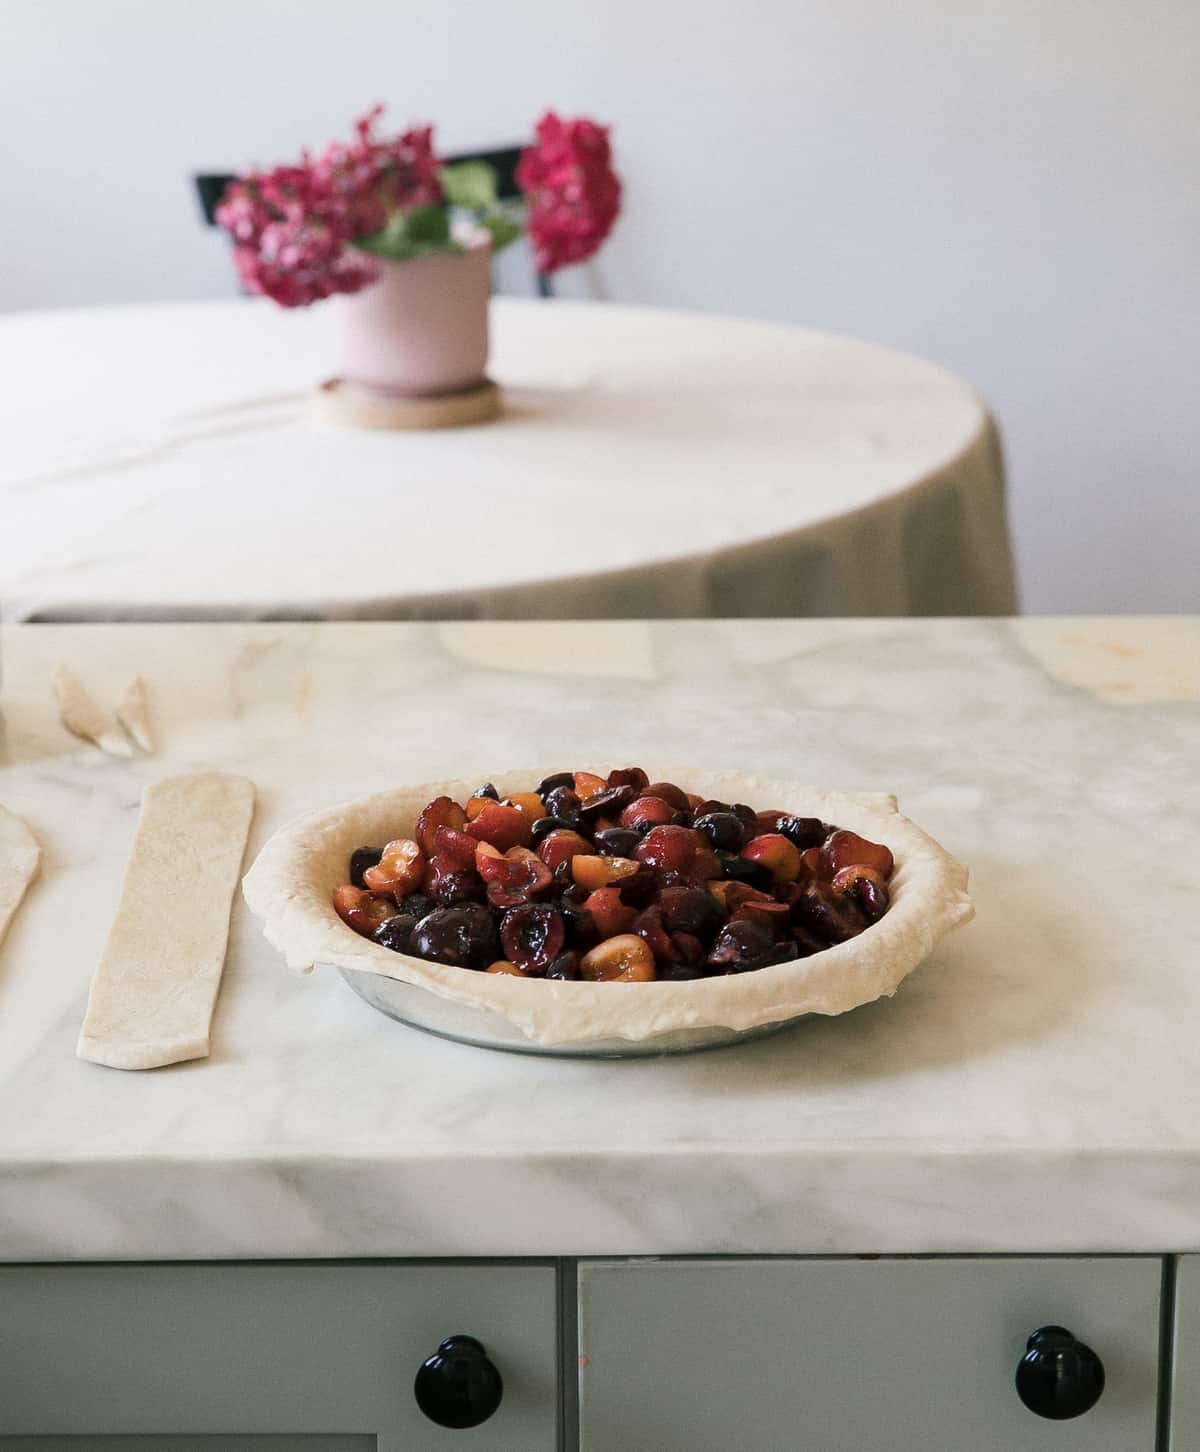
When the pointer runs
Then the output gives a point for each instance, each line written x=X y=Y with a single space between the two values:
x=340 y=402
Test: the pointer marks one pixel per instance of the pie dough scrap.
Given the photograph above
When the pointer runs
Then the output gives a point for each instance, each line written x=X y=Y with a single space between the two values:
x=133 y=714
x=19 y=858
x=83 y=717
x=152 y=996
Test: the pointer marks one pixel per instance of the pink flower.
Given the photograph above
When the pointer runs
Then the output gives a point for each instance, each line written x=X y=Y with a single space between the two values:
x=297 y=261
x=293 y=226
x=574 y=195
x=365 y=181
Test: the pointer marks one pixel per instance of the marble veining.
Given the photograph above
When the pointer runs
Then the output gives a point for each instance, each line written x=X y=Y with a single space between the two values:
x=1031 y=1088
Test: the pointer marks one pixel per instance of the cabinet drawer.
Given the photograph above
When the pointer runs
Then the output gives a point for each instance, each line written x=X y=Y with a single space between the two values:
x=1185 y=1433
x=857 y=1355
x=325 y=1352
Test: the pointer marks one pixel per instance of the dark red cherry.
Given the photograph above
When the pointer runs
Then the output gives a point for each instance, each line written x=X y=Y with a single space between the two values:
x=533 y=935
x=463 y=936
x=361 y=860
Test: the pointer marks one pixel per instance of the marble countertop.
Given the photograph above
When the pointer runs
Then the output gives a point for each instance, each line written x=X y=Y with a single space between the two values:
x=1033 y=1087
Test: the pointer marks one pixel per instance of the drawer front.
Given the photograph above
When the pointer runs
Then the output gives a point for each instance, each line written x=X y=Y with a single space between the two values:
x=857 y=1355
x=320 y=1356
x=1185 y=1429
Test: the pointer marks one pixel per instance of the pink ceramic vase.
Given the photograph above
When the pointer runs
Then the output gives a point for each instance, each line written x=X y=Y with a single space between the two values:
x=422 y=328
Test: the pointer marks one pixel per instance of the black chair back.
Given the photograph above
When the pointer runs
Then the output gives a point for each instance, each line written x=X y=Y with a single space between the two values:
x=210 y=188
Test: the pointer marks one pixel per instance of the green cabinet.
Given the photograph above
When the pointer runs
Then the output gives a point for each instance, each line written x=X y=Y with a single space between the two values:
x=674 y=1355
x=299 y=1357
x=857 y=1355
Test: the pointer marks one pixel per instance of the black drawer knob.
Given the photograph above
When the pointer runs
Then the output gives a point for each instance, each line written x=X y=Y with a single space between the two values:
x=1059 y=1377
x=458 y=1386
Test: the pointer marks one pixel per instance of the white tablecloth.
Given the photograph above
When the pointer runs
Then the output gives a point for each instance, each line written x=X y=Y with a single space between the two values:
x=163 y=462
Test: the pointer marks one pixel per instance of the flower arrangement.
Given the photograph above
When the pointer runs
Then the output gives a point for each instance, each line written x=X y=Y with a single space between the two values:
x=305 y=231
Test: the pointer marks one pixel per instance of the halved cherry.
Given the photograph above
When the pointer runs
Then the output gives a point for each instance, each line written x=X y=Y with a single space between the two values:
x=713 y=804
x=623 y=959
x=689 y=910
x=561 y=846
x=502 y=965
x=866 y=887
x=742 y=944
x=640 y=888
x=581 y=926
x=449 y=884
x=609 y=914
x=687 y=949
x=678 y=855
x=731 y=894
x=825 y=917
x=399 y=871
x=529 y=803
x=632 y=776
x=705 y=865
x=848 y=849
x=806 y=943
x=669 y=792
x=649 y=926
x=363 y=911
x=670 y=849
x=671 y=950
x=747 y=815
x=512 y=877
x=591 y=872
x=615 y=841
x=455 y=848
x=718 y=887
x=775 y=914
x=532 y=936
x=502 y=826
x=607 y=802
x=646 y=812
x=587 y=784
x=441 y=812
x=565 y=967
x=776 y=852
x=564 y=804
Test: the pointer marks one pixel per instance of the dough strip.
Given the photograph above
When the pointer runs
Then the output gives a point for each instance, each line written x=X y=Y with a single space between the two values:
x=152 y=996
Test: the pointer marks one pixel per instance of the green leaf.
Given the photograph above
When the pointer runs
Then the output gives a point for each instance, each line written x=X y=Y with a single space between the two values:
x=412 y=234
x=503 y=229
x=470 y=185
x=429 y=226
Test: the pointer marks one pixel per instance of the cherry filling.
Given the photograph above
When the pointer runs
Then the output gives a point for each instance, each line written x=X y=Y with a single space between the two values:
x=614 y=879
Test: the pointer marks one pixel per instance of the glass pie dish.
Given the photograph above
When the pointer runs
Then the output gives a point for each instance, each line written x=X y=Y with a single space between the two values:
x=291 y=884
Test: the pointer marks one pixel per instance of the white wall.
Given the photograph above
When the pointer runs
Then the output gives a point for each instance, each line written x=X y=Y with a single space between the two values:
x=1011 y=187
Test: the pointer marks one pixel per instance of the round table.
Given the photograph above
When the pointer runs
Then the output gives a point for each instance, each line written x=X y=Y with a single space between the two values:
x=165 y=462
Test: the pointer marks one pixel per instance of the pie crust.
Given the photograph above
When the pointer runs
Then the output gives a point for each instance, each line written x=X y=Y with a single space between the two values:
x=291 y=884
